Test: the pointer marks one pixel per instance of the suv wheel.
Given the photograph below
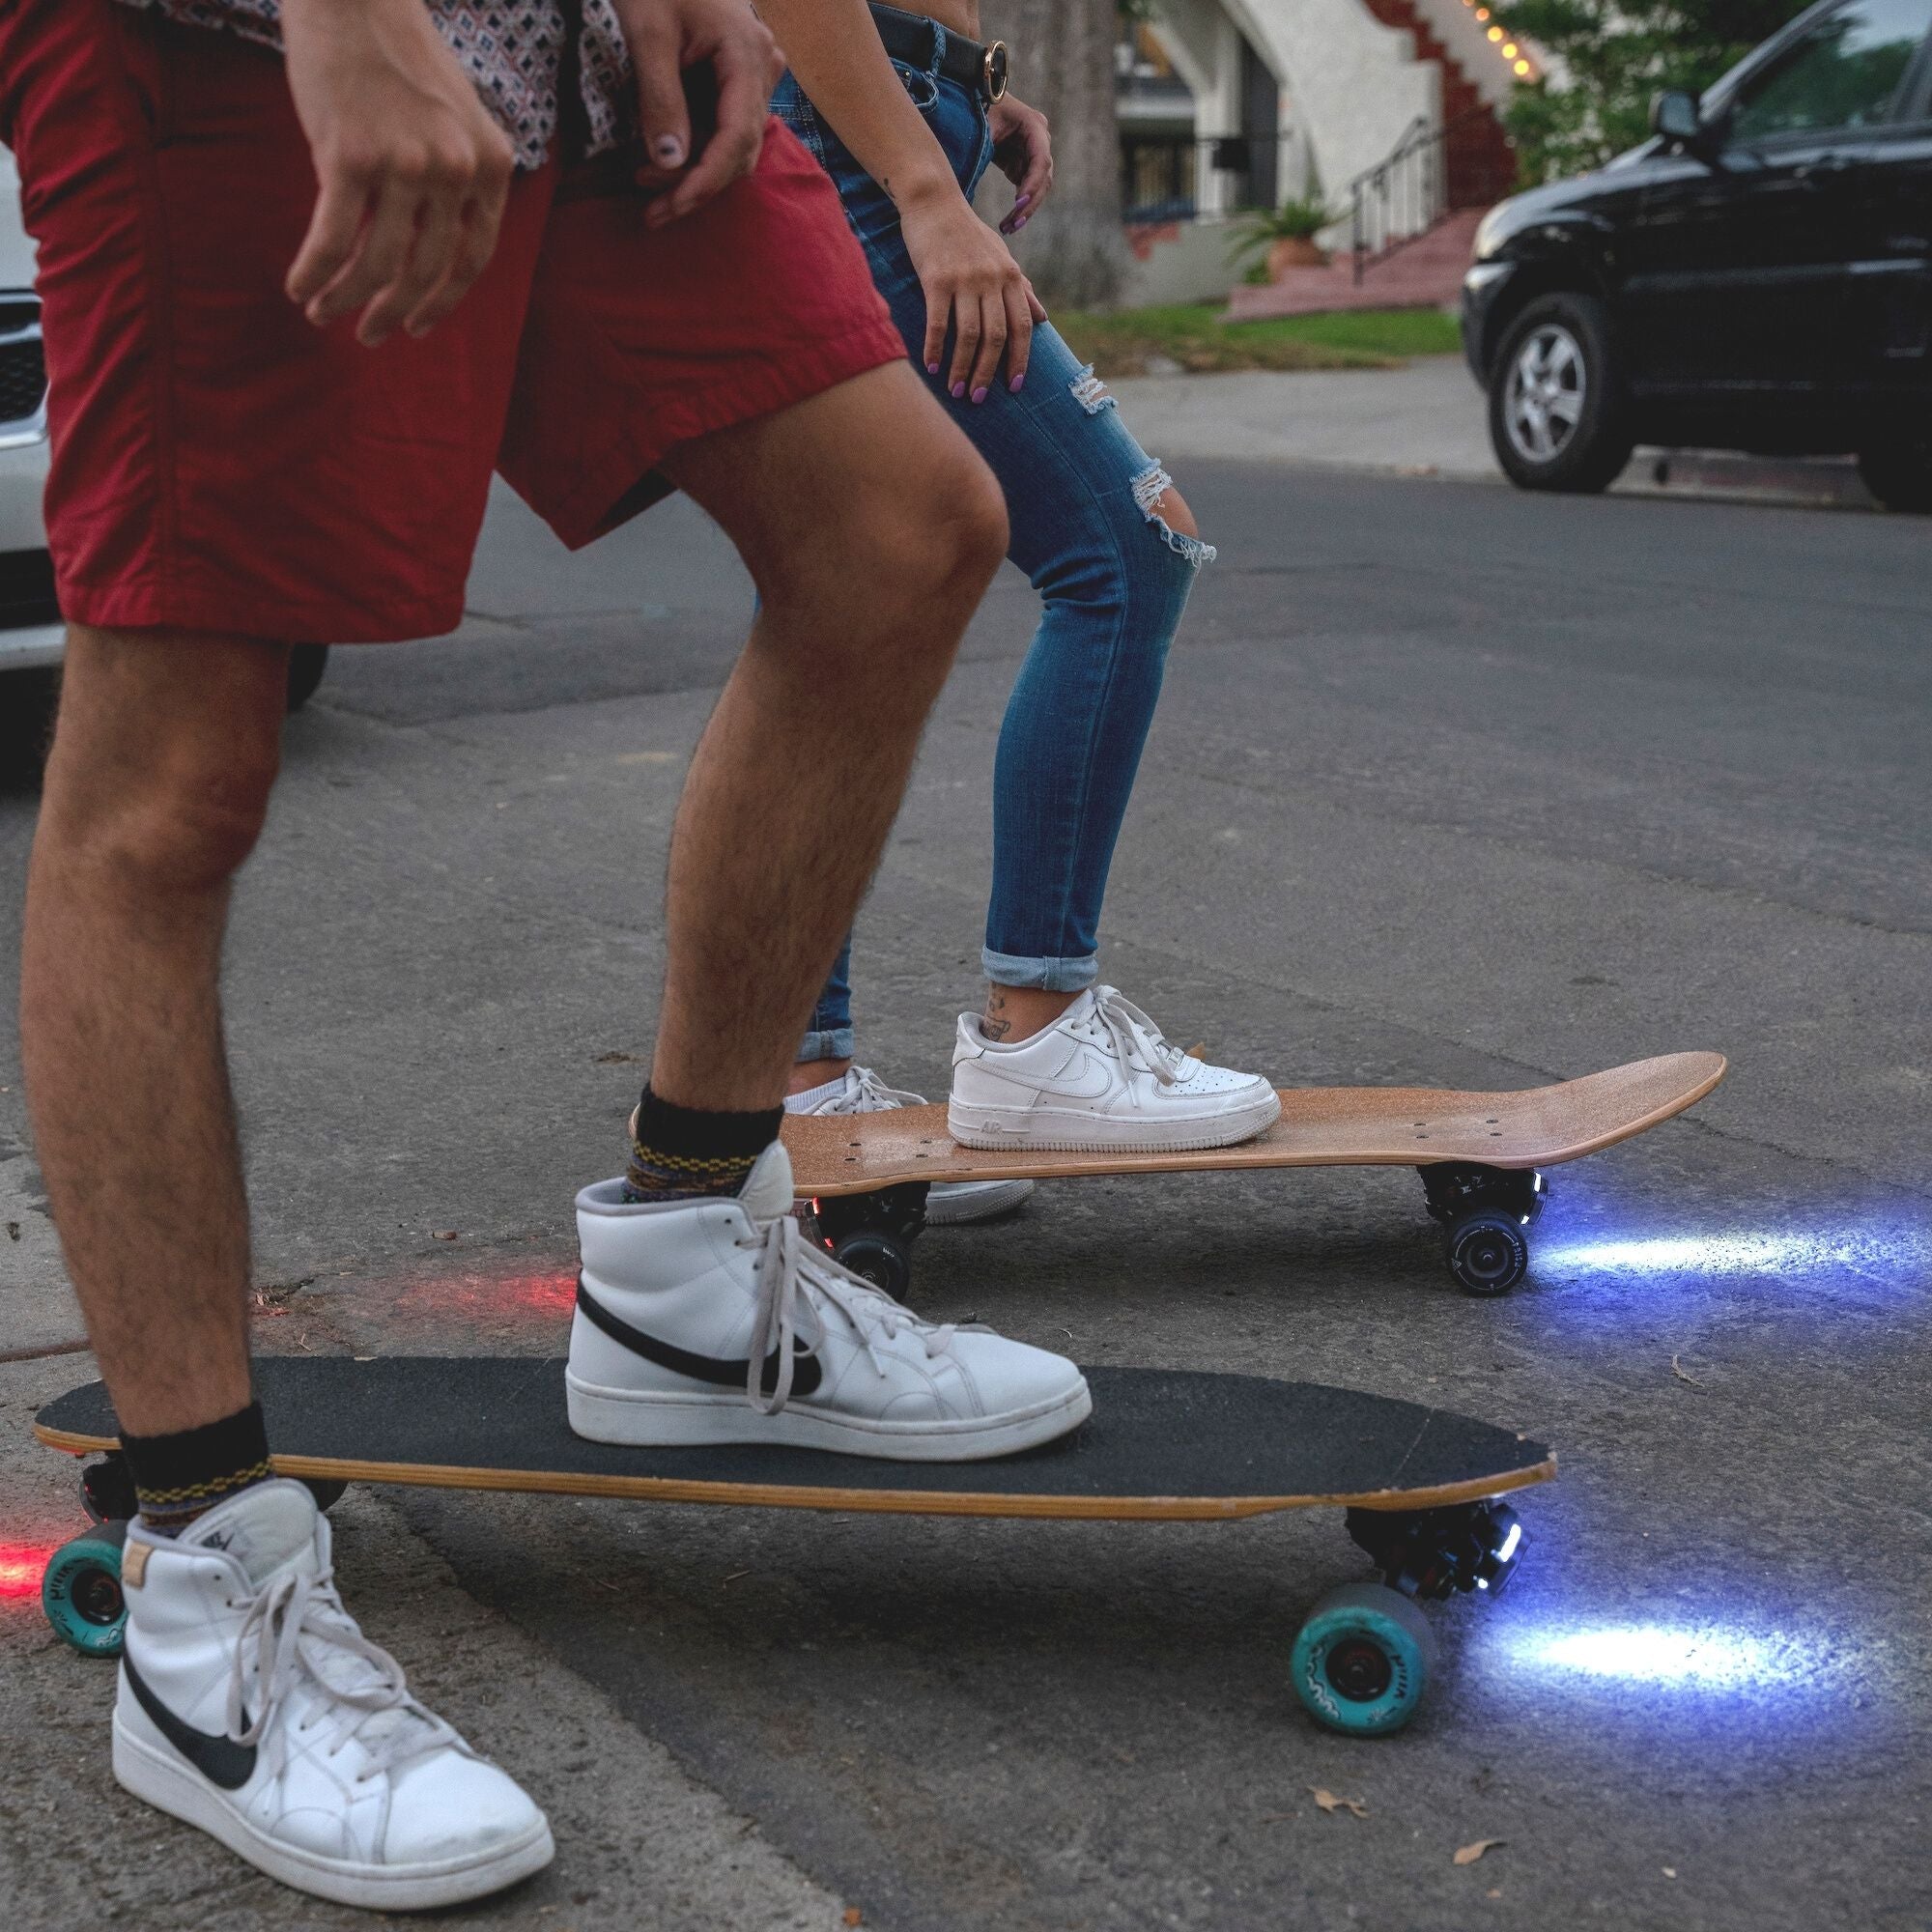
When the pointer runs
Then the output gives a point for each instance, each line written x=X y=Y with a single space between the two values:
x=1558 y=418
x=1899 y=474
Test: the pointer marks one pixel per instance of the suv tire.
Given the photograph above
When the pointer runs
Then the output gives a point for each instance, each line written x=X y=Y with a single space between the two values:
x=1899 y=474
x=1559 y=418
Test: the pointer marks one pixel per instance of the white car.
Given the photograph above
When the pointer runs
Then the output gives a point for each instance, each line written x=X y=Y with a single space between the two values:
x=30 y=634
x=30 y=631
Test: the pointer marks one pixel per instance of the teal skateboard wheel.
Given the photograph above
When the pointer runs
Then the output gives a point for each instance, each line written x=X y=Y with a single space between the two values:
x=1361 y=1662
x=80 y=1590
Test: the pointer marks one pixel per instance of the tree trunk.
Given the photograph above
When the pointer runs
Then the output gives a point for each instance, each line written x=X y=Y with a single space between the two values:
x=1062 y=53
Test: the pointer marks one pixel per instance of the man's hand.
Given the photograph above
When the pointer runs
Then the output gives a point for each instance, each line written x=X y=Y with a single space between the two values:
x=666 y=37
x=412 y=172
x=1022 y=151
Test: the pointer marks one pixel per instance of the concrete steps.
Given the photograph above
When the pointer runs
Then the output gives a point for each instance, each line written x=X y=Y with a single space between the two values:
x=1424 y=273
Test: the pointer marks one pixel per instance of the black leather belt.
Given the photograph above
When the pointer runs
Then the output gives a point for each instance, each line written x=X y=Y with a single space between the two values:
x=910 y=38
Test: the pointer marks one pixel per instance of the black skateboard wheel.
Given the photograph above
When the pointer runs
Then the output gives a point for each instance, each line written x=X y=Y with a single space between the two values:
x=1362 y=1659
x=876 y=1257
x=80 y=1591
x=1488 y=1253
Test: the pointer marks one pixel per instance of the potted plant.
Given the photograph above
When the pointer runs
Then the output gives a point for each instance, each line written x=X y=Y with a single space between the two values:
x=1277 y=238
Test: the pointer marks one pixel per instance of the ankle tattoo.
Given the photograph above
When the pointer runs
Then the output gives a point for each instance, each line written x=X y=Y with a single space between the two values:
x=995 y=1022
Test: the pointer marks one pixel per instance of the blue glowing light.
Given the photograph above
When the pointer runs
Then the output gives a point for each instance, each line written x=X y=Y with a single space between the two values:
x=1697 y=1657
x=1510 y=1542
x=1874 y=1252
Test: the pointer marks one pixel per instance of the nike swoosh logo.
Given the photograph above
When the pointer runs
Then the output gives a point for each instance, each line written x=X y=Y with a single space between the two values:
x=219 y=1759
x=1095 y=1080
x=714 y=1369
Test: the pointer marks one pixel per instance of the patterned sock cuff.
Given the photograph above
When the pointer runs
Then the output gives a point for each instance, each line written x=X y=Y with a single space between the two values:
x=692 y=1150
x=180 y=1476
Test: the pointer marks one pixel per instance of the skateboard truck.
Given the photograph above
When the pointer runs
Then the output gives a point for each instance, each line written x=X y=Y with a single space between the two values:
x=1430 y=1553
x=872 y=1233
x=1483 y=1210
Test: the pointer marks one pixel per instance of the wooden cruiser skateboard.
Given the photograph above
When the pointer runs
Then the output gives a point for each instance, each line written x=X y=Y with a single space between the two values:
x=1419 y=1484
x=1479 y=1156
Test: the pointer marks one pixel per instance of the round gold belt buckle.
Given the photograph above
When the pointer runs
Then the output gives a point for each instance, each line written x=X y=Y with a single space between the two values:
x=993 y=71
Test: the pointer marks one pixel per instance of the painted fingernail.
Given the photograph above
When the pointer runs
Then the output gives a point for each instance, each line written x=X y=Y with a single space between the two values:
x=958 y=392
x=932 y=368
x=669 y=150
x=1017 y=384
x=1025 y=201
x=980 y=394
x=1021 y=223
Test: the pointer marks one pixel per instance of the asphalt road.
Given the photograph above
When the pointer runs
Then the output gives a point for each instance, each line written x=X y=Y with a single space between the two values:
x=1451 y=786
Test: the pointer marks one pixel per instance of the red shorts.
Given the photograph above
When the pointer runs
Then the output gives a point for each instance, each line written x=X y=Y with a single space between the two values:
x=220 y=465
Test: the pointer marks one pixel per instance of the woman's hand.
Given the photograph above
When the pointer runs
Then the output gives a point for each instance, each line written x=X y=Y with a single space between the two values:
x=970 y=281
x=1022 y=151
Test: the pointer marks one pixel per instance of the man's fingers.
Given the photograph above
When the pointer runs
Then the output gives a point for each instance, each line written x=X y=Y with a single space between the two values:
x=743 y=72
x=378 y=261
x=1019 y=333
x=481 y=218
x=665 y=119
x=992 y=345
x=439 y=230
x=340 y=209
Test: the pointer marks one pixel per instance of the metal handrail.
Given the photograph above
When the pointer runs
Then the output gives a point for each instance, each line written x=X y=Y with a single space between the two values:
x=1405 y=193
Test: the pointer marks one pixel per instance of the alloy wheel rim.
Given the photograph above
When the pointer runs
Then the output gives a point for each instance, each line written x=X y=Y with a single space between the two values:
x=1542 y=402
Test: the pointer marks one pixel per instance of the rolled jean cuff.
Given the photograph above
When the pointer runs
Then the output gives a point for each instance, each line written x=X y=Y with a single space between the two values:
x=1046 y=976
x=829 y=1043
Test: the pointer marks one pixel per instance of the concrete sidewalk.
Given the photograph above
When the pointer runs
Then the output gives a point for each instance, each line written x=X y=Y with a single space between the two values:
x=1426 y=420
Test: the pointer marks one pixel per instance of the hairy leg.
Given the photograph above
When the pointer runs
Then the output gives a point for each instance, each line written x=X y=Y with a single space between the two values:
x=162 y=761
x=871 y=530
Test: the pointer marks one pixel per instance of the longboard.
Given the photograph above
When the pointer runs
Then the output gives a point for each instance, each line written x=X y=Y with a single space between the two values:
x=1478 y=1155
x=1419 y=1484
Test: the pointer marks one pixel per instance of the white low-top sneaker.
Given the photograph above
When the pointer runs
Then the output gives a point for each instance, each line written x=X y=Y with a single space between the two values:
x=946 y=1202
x=717 y=1320
x=251 y=1706
x=1101 y=1077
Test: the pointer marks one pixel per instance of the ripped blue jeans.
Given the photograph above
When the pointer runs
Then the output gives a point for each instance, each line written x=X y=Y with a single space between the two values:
x=1112 y=577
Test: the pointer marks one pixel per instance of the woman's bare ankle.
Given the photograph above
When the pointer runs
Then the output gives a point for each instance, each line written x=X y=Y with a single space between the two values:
x=1019 y=1012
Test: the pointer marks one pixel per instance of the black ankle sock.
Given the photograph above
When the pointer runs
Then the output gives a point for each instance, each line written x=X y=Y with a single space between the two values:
x=682 y=1153
x=182 y=1476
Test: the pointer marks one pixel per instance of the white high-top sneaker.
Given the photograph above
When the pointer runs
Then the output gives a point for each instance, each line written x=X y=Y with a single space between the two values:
x=251 y=1706
x=717 y=1320
x=946 y=1202
x=1101 y=1077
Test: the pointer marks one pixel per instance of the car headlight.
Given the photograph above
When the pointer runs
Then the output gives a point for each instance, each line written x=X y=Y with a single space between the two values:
x=1485 y=274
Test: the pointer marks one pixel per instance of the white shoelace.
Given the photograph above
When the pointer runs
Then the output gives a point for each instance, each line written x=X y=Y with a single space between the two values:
x=296 y=1611
x=786 y=1264
x=866 y=1093
x=1135 y=1036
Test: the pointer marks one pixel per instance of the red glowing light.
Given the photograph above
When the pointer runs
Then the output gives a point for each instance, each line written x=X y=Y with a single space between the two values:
x=20 y=1567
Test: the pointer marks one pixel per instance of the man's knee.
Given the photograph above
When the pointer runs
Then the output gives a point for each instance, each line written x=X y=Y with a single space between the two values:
x=959 y=515
x=165 y=757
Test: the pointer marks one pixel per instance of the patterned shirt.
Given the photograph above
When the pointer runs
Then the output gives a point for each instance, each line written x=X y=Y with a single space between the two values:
x=512 y=51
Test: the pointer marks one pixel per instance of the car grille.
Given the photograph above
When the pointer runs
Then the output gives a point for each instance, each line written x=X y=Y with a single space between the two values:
x=24 y=368
x=27 y=589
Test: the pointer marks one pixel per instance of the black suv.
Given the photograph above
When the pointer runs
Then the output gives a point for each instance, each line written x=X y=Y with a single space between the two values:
x=1757 y=276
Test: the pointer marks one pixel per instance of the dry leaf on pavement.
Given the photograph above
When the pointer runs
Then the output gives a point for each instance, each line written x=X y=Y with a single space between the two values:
x=1469 y=1853
x=1329 y=1802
